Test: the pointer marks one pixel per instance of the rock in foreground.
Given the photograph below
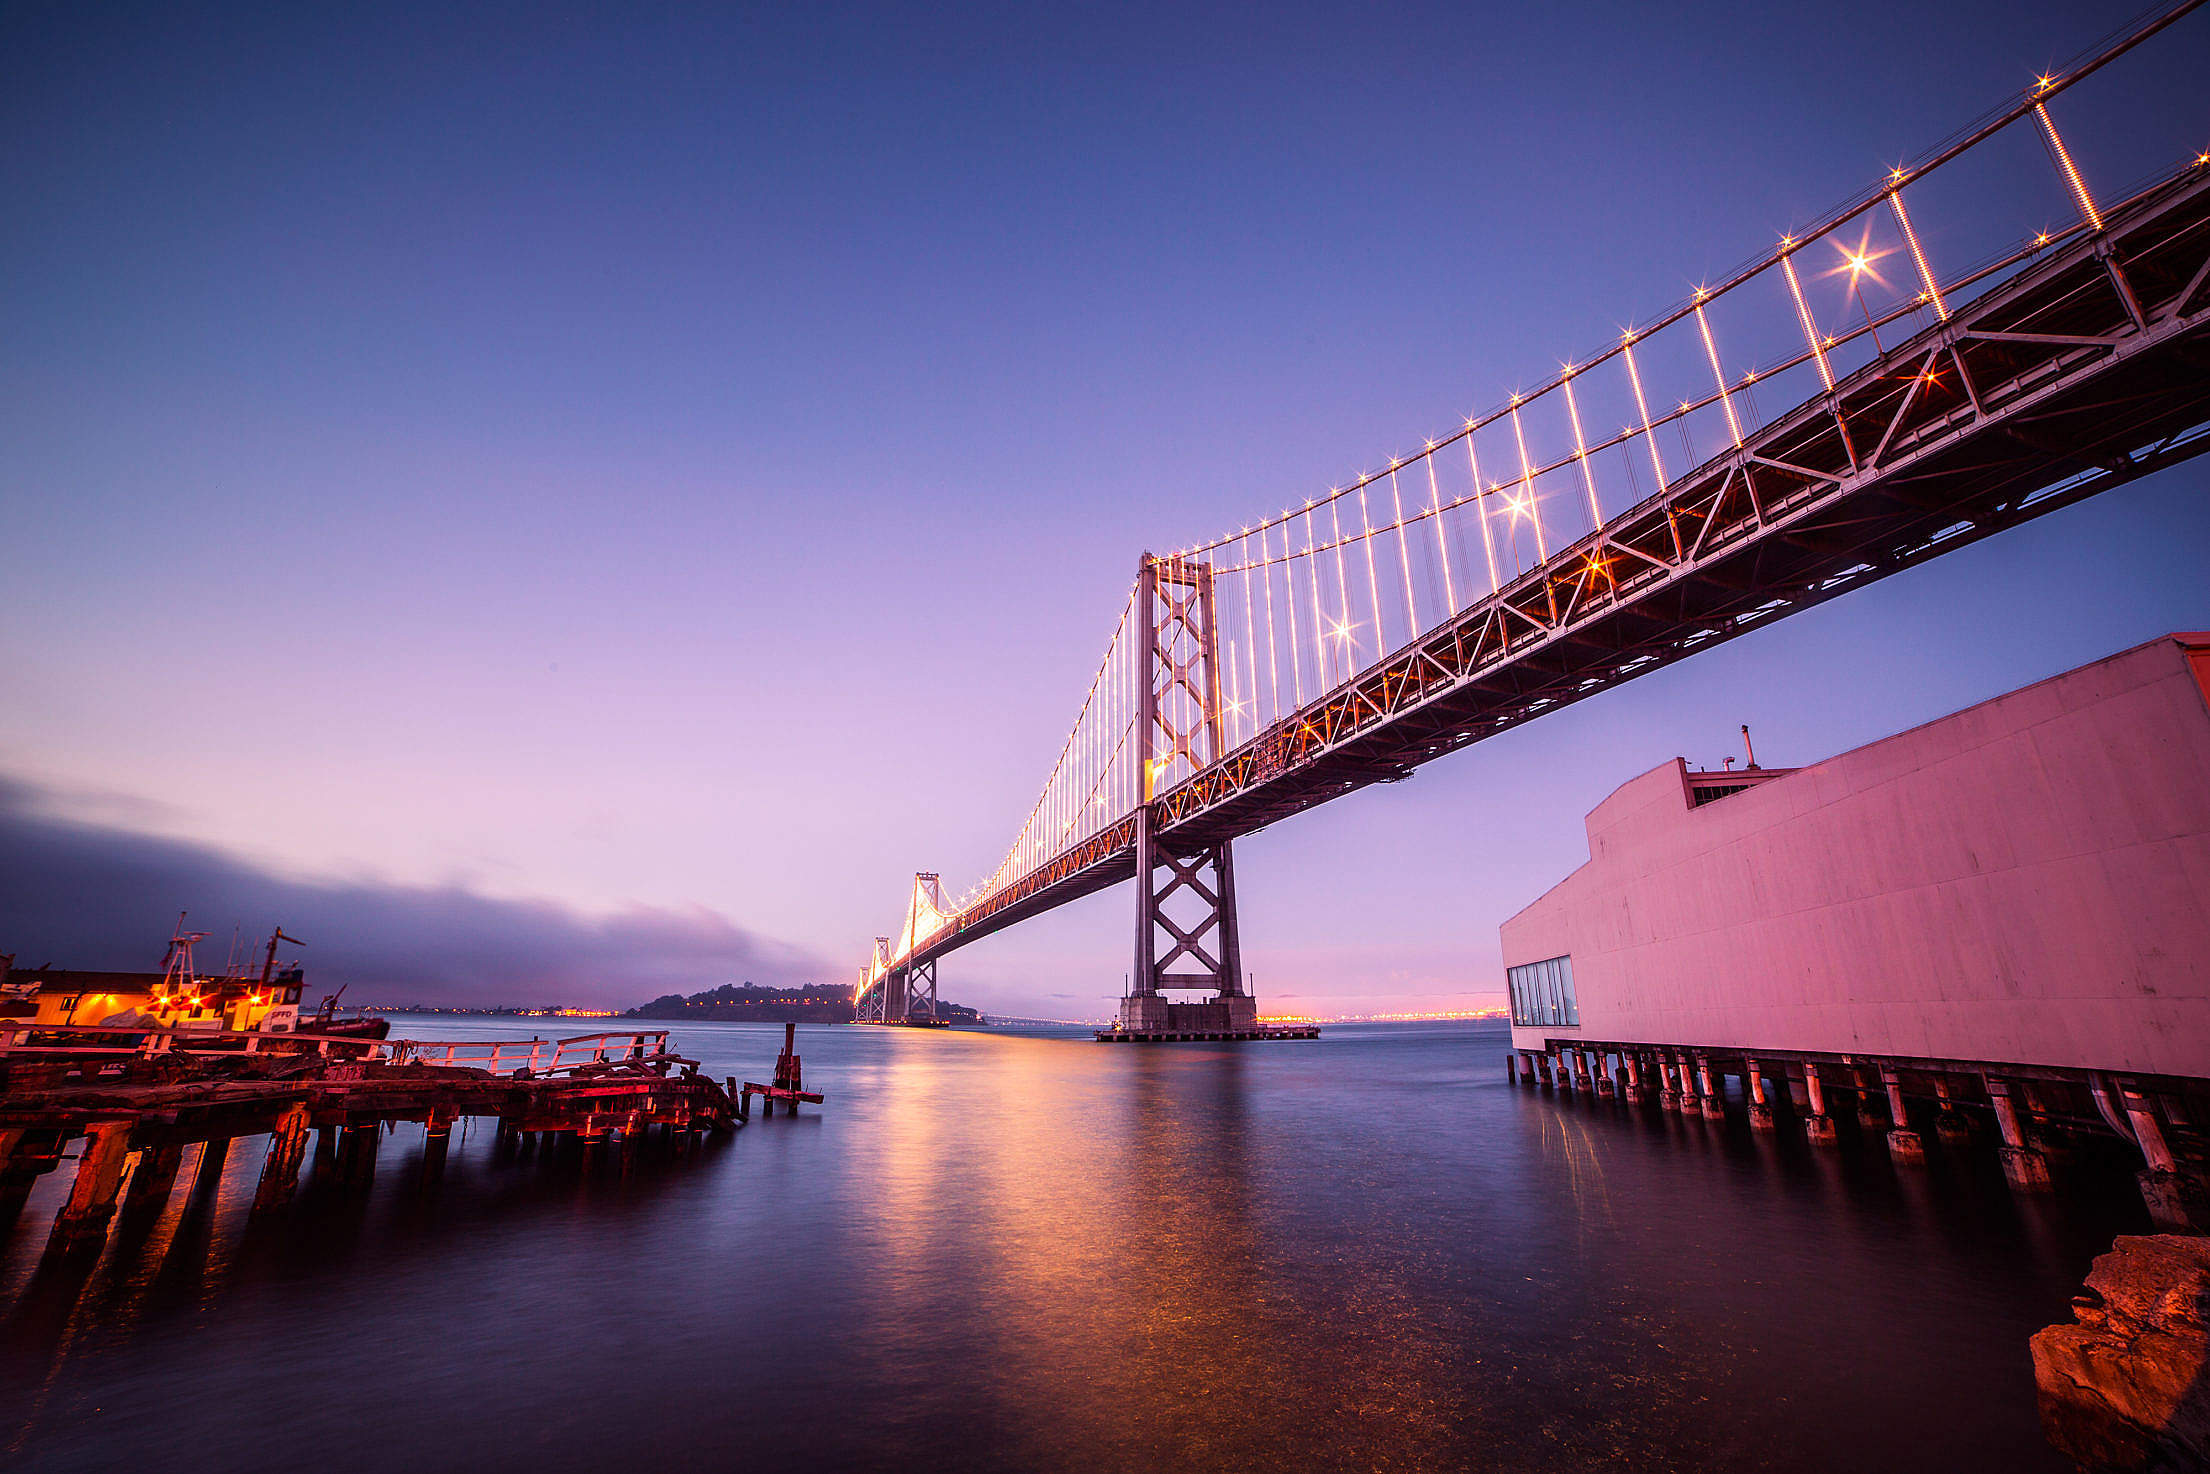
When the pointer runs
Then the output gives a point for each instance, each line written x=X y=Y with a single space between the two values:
x=2127 y=1385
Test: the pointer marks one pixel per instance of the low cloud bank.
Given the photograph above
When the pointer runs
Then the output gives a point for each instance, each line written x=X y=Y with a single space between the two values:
x=84 y=895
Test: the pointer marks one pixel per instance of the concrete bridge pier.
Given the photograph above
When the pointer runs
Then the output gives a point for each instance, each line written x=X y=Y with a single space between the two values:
x=1668 y=1096
x=1691 y=1104
x=2024 y=1164
x=1951 y=1129
x=1761 y=1109
x=2164 y=1190
x=1630 y=1088
x=1818 y=1126
x=1872 y=1110
x=1904 y=1144
x=1605 y=1084
x=1712 y=1100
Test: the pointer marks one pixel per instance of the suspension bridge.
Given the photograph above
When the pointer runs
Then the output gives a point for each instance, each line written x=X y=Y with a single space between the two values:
x=1981 y=338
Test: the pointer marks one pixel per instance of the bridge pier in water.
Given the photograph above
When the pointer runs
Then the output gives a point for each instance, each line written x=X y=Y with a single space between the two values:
x=1202 y=943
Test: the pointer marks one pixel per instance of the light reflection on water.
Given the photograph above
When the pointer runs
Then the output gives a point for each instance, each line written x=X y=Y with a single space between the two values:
x=1018 y=1251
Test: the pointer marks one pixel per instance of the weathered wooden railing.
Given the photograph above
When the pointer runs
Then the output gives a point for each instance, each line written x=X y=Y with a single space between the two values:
x=537 y=1056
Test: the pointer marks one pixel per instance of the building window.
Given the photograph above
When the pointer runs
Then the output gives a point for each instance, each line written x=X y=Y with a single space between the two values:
x=1542 y=994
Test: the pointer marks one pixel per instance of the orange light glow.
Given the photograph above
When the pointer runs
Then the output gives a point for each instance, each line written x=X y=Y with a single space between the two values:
x=1930 y=291
x=2071 y=173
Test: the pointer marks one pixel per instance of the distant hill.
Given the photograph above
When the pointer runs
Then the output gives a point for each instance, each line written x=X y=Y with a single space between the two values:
x=815 y=1003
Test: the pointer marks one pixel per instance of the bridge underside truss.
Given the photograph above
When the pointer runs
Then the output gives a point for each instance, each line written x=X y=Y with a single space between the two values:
x=2083 y=372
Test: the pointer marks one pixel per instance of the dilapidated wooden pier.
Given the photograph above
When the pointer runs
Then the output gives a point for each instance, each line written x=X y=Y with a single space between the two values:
x=131 y=1100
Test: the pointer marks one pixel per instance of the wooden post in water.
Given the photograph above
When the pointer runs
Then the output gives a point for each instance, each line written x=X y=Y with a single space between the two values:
x=280 y=1173
x=207 y=1173
x=151 y=1181
x=82 y=1222
x=357 y=1153
x=437 y=1137
x=17 y=1175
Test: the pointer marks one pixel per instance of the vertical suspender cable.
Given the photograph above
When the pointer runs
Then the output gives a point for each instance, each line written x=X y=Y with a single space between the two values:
x=1481 y=509
x=1404 y=559
x=1289 y=601
x=1373 y=583
x=1442 y=550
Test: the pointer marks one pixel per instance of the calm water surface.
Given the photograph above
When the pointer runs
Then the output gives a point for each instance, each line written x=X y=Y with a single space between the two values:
x=1020 y=1251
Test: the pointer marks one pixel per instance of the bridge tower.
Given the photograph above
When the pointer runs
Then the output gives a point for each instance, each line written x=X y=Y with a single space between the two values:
x=890 y=996
x=1186 y=934
x=920 y=977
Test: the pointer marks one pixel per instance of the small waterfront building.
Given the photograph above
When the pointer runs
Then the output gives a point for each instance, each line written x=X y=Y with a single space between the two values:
x=2020 y=891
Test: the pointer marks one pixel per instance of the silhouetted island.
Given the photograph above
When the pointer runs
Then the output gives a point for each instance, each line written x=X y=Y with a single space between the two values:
x=821 y=1003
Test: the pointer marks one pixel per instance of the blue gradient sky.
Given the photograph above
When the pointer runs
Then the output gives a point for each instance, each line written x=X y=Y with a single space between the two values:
x=693 y=458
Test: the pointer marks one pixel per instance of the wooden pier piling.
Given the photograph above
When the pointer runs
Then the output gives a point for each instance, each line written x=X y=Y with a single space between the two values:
x=152 y=1180
x=437 y=1138
x=280 y=1172
x=19 y=1171
x=82 y=1222
x=789 y=1086
x=214 y=1156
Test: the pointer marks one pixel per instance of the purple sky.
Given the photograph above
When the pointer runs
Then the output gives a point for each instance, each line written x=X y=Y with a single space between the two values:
x=652 y=480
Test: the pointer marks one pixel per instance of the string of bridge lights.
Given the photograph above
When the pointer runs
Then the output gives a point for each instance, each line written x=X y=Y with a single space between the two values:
x=1856 y=262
